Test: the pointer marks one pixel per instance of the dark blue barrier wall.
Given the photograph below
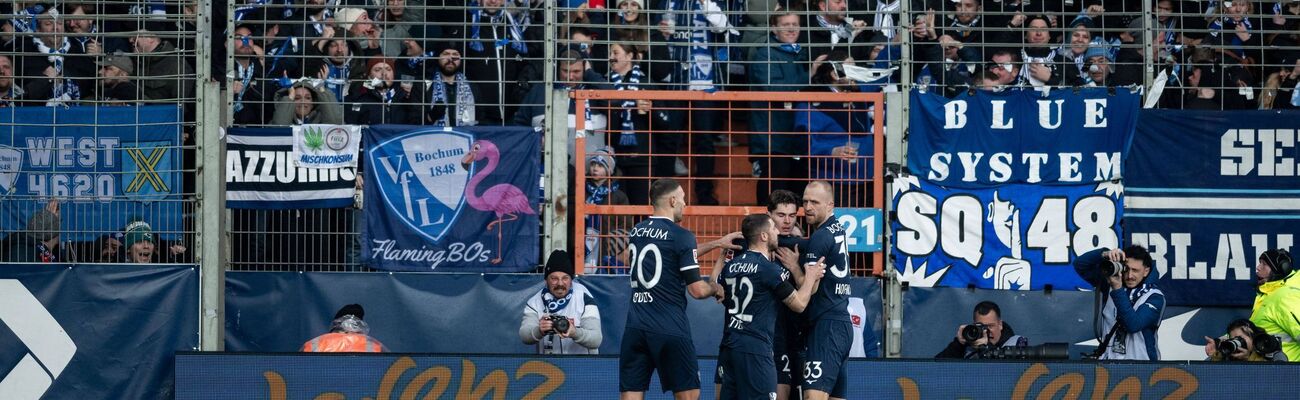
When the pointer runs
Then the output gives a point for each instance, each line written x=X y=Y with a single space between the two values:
x=296 y=376
x=95 y=331
x=931 y=317
x=440 y=313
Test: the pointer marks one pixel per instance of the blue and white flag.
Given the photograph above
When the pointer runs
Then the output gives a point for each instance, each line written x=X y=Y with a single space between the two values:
x=105 y=166
x=1209 y=192
x=444 y=199
x=326 y=146
x=1009 y=187
x=260 y=174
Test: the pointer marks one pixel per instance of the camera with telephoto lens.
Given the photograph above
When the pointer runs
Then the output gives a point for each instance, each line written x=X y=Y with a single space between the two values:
x=974 y=332
x=559 y=324
x=1232 y=346
x=1114 y=268
x=1266 y=344
x=1045 y=351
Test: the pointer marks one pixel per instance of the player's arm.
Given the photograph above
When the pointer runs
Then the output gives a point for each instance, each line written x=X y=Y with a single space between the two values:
x=701 y=288
x=798 y=300
x=689 y=269
x=723 y=242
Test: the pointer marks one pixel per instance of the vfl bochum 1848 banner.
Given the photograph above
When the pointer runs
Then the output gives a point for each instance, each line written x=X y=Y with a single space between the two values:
x=460 y=199
x=104 y=165
x=1208 y=193
x=1007 y=188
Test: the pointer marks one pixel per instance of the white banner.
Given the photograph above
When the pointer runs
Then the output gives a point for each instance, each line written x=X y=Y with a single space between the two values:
x=326 y=146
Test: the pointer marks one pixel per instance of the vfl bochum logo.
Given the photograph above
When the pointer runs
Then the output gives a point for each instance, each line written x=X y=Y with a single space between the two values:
x=11 y=161
x=420 y=177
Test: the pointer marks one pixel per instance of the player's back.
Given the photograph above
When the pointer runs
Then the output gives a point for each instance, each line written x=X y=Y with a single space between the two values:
x=831 y=300
x=662 y=254
x=754 y=291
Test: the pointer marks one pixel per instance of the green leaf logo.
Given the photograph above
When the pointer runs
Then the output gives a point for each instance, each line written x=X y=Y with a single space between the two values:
x=314 y=139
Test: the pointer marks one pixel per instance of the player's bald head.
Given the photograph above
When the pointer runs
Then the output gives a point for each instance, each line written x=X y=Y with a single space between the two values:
x=822 y=190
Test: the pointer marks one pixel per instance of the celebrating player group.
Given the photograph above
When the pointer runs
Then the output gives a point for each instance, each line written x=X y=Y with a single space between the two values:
x=788 y=330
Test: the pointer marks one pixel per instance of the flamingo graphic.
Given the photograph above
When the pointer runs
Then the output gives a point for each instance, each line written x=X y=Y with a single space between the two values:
x=505 y=200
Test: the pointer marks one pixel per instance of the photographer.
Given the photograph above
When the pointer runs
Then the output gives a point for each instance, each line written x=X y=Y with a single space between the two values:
x=973 y=340
x=1244 y=342
x=1131 y=305
x=562 y=318
x=1277 y=305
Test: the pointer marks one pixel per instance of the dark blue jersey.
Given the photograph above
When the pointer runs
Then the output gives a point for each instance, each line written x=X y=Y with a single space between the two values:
x=787 y=326
x=831 y=300
x=663 y=263
x=754 y=290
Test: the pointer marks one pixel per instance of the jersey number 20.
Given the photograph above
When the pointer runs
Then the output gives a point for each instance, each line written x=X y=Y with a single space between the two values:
x=639 y=265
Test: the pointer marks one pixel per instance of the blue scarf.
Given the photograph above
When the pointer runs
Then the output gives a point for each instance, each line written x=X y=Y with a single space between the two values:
x=632 y=81
x=246 y=77
x=696 y=58
x=337 y=80
x=1217 y=28
x=599 y=193
x=554 y=305
x=515 y=39
x=463 y=114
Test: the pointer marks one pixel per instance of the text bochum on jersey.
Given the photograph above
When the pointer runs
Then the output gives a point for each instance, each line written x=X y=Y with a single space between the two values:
x=663 y=263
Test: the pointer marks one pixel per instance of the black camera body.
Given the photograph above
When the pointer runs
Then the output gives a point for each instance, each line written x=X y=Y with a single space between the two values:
x=559 y=324
x=974 y=332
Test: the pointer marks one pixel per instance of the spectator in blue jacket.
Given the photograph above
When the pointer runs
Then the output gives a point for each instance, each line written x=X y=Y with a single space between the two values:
x=781 y=66
x=1132 y=304
x=842 y=143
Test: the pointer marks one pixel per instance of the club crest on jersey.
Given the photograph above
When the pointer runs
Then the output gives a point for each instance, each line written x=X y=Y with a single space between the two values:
x=420 y=176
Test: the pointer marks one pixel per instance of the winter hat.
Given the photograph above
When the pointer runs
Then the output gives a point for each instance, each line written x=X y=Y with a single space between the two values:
x=345 y=17
x=559 y=261
x=353 y=310
x=1096 y=51
x=1279 y=262
x=603 y=156
x=371 y=63
x=138 y=231
x=640 y=3
x=44 y=225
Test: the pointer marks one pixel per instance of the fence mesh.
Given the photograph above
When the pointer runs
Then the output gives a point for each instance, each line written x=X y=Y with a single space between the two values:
x=96 y=132
x=824 y=136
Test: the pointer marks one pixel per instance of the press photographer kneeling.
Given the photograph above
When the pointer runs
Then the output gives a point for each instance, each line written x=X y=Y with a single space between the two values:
x=1130 y=303
x=973 y=340
x=1244 y=342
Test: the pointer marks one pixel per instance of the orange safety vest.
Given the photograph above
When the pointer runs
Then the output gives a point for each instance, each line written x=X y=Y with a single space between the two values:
x=343 y=343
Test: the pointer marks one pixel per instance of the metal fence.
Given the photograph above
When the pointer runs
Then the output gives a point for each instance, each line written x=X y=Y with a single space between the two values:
x=97 y=132
x=492 y=62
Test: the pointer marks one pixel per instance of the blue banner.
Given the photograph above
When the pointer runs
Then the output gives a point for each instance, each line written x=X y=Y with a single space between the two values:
x=445 y=313
x=459 y=199
x=95 y=331
x=1020 y=136
x=106 y=166
x=203 y=376
x=1009 y=187
x=1208 y=192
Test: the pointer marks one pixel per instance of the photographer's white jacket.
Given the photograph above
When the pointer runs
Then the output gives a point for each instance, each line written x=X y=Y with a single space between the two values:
x=587 y=335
